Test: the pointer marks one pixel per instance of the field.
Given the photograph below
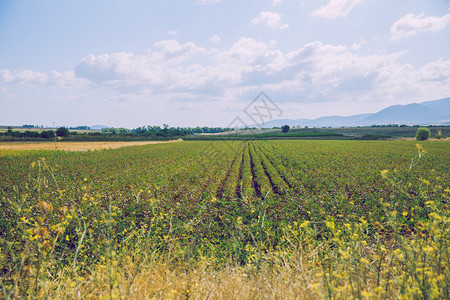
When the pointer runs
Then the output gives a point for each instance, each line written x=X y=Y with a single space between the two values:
x=346 y=133
x=73 y=146
x=228 y=219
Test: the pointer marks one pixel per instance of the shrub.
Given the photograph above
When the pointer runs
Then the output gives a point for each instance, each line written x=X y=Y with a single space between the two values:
x=285 y=128
x=62 y=132
x=438 y=135
x=47 y=134
x=423 y=134
x=31 y=134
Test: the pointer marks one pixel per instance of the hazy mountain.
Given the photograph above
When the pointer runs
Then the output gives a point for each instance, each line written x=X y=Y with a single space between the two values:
x=99 y=127
x=426 y=113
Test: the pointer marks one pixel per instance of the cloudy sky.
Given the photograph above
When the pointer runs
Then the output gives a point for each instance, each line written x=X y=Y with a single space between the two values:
x=201 y=62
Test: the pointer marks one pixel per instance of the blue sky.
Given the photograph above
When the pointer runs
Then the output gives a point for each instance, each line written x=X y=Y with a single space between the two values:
x=201 y=62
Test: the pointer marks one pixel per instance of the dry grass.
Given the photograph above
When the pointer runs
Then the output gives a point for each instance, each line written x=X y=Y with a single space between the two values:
x=162 y=278
x=74 y=146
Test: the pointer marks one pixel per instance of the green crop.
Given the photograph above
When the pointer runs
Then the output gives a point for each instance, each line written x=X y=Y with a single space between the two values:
x=372 y=216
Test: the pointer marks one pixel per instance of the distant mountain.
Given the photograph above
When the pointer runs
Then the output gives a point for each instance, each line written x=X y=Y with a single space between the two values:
x=436 y=112
x=99 y=127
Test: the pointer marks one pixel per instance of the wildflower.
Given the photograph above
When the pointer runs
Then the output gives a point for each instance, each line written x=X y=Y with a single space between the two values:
x=435 y=216
x=428 y=249
x=425 y=181
x=46 y=206
x=46 y=244
x=366 y=294
x=383 y=173
x=396 y=251
x=42 y=230
x=213 y=199
x=304 y=224
x=330 y=224
x=364 y=261
x=420 y=149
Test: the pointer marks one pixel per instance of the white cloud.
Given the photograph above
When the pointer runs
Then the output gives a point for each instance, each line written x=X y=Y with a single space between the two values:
x=314 y=74
x=34 y=78
x=23 y=76
x=270 y=20
x=170 y=65
x=172 y=32
x=276 y=2
x=173 y=50
x=215 y=39
x=336 y=8
x=412 y=24
x=206 y=2
x=65 y=79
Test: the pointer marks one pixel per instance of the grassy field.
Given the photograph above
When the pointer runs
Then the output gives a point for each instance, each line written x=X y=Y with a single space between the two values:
x=228 y=219
x=350 y=133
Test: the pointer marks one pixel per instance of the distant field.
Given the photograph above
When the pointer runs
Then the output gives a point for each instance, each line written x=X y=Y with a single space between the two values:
x=364 y=133
x=5 y=128
x=73 y=146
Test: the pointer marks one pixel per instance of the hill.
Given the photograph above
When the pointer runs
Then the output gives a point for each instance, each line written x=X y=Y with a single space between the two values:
x=436 y=112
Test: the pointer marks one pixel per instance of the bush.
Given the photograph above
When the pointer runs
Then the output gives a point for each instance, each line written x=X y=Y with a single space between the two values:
x=423 y=134
x=438 y=135
x=62 y=132
x=31 y=134
x=285 y=128
x=47 y=134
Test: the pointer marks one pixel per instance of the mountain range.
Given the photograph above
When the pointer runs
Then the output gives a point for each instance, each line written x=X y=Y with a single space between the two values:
x=436 y=112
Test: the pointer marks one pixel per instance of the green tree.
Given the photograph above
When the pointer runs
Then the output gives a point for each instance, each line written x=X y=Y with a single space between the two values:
x=62 y=132
x=285 y=128
x=47 y=134
x=423 y=134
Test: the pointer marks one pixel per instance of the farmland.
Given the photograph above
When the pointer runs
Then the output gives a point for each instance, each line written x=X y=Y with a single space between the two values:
x=74 y=146
x=228 y=219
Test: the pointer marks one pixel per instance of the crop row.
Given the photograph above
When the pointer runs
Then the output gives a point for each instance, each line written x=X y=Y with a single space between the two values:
x=203 y=192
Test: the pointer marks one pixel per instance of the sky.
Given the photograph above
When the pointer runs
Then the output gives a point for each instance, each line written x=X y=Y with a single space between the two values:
x=203 y=62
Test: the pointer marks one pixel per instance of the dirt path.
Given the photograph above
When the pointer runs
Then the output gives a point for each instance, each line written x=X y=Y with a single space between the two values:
x=75 y=146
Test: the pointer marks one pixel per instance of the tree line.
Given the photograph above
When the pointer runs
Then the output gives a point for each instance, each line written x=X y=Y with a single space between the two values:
x=46 y=134
x=165 y=131
x=145 y=131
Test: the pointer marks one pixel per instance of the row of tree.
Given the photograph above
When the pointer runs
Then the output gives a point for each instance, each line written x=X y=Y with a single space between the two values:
x=146 y=131
x=46 y=134
x=165 y=131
